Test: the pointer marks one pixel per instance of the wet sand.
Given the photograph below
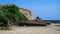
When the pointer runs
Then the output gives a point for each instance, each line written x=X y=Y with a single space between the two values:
x=50 y=29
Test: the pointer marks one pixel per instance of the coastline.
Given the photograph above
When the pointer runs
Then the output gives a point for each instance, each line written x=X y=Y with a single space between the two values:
x=50 y=29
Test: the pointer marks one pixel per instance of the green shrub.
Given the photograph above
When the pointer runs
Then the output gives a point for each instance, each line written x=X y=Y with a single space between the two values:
x=10 y=14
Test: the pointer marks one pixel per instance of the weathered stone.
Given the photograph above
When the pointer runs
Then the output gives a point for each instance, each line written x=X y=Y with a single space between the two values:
x=27 y=13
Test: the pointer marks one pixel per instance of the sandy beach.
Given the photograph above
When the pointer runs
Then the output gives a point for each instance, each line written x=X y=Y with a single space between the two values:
x=50 y=29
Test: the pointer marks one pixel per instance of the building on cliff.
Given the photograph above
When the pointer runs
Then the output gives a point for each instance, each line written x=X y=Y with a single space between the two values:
x=27 y=13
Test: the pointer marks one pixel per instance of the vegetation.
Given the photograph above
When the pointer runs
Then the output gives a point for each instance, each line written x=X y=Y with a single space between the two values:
x=10 y=14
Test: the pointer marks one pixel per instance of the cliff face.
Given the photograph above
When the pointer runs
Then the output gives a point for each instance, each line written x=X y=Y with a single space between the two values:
x=27 y=13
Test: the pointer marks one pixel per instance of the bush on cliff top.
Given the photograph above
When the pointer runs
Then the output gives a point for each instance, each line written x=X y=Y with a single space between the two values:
x=10 y=14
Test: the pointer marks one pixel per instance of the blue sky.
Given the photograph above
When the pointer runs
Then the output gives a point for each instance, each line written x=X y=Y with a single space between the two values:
x=45 y=9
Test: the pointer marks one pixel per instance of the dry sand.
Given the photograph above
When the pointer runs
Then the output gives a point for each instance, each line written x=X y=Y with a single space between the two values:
x=50 y=29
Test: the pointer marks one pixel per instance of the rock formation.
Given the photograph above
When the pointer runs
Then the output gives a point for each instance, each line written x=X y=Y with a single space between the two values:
x=27 y=13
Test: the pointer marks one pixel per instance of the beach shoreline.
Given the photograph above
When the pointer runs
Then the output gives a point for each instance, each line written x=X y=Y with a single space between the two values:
x=50 y=29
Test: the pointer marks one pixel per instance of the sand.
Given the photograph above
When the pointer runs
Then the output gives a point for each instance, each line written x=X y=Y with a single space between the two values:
x=50 y=29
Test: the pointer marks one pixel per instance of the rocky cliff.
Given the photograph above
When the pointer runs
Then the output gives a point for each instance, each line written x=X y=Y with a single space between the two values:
x=27 y=13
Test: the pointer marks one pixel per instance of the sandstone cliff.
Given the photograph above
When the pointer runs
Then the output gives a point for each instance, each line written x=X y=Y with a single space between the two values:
x=27 y=13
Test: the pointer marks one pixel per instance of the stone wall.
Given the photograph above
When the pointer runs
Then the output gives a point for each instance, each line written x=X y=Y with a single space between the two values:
x=27 y=13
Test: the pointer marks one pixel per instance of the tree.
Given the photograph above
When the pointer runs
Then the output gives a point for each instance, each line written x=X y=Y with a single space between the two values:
x=11 y=14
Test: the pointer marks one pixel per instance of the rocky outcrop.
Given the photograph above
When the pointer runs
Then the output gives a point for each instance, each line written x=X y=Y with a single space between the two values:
x=27 y=13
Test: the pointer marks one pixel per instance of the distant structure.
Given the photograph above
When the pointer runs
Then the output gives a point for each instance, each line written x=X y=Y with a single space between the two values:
x=27 y=13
